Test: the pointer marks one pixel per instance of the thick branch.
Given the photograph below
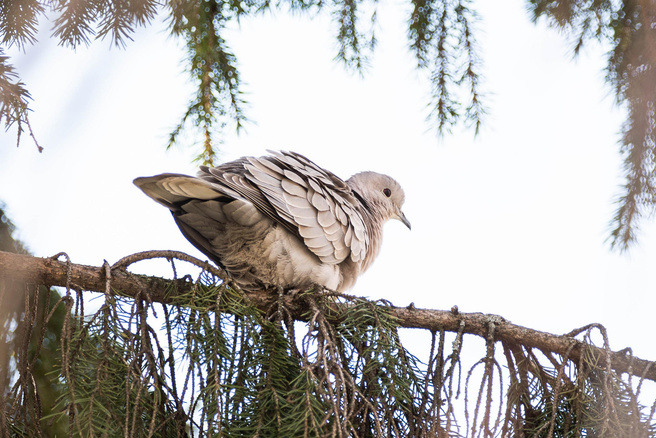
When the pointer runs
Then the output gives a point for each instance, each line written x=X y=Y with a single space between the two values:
x=53 y=272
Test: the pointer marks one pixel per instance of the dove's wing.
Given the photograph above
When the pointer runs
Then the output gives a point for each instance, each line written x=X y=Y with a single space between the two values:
x=304 y=198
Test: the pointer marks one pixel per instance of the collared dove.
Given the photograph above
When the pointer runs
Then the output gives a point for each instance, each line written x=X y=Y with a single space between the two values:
x=280 y=220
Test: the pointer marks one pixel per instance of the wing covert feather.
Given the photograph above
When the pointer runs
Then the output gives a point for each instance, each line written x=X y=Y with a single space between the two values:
x=302 y=197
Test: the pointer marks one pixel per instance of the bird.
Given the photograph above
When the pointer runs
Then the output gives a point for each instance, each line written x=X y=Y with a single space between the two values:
x=280 y=221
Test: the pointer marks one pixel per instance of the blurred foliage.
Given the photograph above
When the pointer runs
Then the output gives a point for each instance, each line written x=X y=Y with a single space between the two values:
x=7 y=241
x=628 y=28
x=31 y=319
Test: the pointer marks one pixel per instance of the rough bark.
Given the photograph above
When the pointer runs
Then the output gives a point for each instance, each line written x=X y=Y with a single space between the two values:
x=54 y=272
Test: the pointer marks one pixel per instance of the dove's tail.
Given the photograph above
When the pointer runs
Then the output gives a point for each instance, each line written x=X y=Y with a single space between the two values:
x=172 y=189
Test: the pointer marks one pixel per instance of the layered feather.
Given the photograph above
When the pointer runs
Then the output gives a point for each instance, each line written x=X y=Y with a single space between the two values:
x=281 y=220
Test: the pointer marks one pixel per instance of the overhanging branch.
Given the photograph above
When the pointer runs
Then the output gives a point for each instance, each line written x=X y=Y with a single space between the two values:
x=54 y=272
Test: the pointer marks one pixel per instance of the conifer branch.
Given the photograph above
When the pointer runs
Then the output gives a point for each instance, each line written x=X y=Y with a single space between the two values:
x=628 y=28
x=14 y=100
x=54 y=272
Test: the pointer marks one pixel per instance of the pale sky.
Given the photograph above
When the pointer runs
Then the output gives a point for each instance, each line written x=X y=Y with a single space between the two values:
x=512 y=222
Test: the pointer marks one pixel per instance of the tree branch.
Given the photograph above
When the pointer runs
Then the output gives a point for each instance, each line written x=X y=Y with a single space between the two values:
x=54 y=272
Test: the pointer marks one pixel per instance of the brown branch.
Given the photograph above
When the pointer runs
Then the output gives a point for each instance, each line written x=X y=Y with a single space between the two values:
x=53 y=272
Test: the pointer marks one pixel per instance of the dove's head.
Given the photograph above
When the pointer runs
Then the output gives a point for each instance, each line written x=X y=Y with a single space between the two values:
x=382 y=194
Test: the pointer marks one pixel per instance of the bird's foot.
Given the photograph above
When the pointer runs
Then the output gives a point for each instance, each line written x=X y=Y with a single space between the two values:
x=293 y=291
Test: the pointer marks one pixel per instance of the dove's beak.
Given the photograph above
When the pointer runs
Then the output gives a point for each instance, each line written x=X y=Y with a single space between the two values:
x=400 y=216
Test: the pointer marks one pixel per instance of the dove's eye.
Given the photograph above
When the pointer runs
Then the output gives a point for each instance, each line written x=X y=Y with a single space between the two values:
x=387 y=192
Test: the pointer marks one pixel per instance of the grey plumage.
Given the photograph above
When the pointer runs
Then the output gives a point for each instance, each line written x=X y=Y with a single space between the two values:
x=281 y=220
